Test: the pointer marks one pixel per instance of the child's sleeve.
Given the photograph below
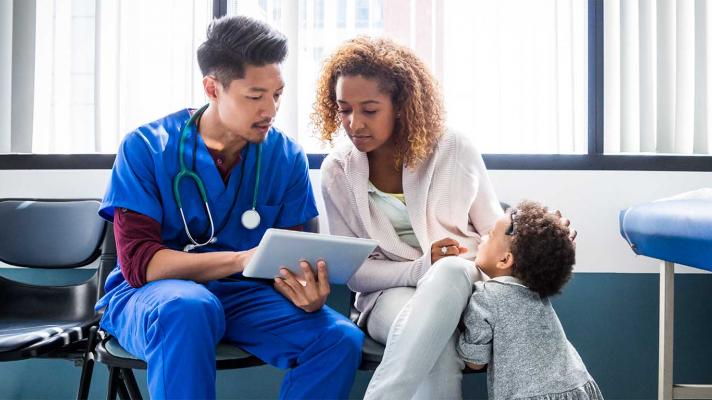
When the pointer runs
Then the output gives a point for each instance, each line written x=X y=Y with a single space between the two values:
x=475 y=342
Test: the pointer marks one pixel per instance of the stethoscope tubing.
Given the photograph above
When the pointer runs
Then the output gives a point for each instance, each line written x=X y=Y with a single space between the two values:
x=184 y=172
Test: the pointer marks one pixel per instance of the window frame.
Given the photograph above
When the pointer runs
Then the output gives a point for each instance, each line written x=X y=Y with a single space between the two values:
x=594 y=159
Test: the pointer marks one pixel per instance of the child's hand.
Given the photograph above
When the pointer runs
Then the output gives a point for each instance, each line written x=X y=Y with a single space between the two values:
x=445 y=248
x=474 y=366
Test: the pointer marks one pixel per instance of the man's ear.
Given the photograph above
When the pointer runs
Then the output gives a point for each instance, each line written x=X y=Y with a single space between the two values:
x=506 y=261
x=210 y=85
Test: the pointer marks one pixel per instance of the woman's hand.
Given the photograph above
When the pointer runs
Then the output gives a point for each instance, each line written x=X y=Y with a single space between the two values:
x=311 y=295
x=566 y=222
x=445 y=248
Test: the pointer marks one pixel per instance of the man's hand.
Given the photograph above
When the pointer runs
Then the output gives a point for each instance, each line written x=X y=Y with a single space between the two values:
x=242 y=258
x=309 y=296
x=445 y=248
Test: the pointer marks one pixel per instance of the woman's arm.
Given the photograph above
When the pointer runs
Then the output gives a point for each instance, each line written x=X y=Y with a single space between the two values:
x=376 y=273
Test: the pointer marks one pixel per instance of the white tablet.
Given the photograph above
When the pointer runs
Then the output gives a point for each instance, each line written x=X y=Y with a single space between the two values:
x=283 y=248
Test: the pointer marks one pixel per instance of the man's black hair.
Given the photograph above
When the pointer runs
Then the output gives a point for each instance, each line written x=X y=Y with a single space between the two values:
x=237 y=41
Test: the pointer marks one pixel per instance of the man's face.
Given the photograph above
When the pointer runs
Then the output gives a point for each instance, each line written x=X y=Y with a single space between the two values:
x=248 y=106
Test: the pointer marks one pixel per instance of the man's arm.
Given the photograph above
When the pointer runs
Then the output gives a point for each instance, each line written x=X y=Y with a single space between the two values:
x=144 y=258
x=199 y=267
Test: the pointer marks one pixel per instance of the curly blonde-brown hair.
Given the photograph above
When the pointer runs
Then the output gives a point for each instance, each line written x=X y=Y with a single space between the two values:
x=544 y=253
x=399 y=73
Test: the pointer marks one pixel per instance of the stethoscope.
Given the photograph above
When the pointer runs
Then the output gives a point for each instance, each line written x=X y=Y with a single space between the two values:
x=250 y=218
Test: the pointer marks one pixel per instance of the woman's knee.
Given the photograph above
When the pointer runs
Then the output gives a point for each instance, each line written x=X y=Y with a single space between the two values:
x=388 y=305
x=453 y=268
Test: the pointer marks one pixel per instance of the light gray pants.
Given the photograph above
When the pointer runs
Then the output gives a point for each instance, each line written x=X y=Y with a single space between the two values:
x=418 y=326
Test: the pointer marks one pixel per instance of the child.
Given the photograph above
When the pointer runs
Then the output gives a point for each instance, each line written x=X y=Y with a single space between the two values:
x=509 y=322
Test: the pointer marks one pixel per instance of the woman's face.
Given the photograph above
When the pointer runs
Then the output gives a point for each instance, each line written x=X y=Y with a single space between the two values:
x=367 y=113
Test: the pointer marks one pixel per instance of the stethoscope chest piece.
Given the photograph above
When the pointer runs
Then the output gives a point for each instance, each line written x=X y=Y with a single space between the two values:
x=251 y=219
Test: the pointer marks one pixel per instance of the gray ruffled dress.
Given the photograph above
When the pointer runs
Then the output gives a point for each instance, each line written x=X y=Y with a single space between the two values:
x=517 y=333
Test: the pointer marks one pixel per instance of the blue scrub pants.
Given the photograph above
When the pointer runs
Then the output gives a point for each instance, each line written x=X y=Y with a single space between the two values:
x=174 y=325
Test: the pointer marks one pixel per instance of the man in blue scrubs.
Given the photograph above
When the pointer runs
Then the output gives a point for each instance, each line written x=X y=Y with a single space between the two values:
x=171 y=307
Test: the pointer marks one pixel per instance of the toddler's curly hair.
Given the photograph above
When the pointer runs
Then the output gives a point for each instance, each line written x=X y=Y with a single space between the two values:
x=544 y=254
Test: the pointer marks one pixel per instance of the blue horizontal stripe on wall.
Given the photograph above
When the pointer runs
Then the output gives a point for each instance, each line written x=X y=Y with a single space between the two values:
x=612 y=320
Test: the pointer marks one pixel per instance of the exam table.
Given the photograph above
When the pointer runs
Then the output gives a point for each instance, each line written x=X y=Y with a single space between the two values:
x=675 y=231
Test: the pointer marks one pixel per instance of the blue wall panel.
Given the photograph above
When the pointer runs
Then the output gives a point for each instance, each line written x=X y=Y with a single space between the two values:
x=612 y=319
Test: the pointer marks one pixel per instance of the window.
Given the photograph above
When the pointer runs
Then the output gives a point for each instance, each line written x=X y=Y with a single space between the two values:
x=513 y=72
x=362 y=14
x=318 y=14
x=658 y=77
x=341 y=14
x=103 y=68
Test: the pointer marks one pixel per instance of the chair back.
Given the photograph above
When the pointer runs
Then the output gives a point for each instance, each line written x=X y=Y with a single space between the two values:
x=53 y=234
x=50 y=233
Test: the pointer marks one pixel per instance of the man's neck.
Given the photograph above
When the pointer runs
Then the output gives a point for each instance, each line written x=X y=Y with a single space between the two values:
x=216 y=136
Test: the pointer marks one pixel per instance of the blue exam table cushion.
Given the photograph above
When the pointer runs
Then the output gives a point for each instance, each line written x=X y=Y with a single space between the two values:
x=678 y=229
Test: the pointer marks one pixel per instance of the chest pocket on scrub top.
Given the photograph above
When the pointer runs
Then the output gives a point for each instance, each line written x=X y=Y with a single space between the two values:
x=269 y=215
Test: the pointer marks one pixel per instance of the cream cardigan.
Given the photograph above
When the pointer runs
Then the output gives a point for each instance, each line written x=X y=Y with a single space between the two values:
x=448 y=195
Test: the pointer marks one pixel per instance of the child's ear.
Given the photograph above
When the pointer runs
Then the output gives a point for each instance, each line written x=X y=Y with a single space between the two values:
x=506 y=261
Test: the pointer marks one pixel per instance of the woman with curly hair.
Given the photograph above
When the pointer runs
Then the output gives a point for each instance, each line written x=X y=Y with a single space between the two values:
x=510 y=324
x=421 y=191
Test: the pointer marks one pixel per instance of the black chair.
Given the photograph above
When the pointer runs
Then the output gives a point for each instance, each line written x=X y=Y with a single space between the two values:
x=42 y=320
x=121 y=364
x=108 y=351
x=372 y=351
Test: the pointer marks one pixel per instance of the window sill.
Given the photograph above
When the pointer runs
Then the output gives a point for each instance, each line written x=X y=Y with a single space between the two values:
x=493 y=162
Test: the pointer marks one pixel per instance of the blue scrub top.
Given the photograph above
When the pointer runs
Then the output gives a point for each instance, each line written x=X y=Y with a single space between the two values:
x=147 y=162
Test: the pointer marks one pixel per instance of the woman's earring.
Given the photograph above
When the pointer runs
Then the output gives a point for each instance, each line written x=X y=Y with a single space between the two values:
x=397 y=115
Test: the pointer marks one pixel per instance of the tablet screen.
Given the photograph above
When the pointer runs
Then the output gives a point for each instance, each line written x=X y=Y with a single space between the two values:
x=284 y=249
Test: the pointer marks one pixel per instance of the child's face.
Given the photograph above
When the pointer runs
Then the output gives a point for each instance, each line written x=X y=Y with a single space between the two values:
x=493 y=253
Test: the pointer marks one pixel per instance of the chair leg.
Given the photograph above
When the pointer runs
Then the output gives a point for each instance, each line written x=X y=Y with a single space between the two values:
x=121 y=387
x=85 y=380
x=130 y=382
x=114 y=382
x=87 y=366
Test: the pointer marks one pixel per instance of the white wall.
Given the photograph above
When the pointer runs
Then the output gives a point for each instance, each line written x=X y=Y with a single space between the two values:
x=591 y=199
x=5 y=73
